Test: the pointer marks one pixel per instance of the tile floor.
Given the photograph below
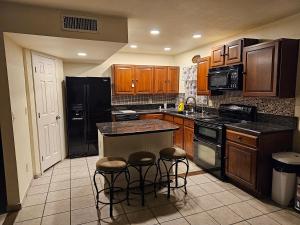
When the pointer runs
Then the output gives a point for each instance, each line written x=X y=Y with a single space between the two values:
x=64 y=195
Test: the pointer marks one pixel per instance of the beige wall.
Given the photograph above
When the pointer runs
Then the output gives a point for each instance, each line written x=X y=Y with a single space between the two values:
x=27 y=19
x=103 y=69
x=285 y=28
x=19 y=110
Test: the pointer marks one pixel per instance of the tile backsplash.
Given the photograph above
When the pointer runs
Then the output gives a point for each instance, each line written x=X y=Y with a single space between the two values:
x=143 y=99
x=270 y=105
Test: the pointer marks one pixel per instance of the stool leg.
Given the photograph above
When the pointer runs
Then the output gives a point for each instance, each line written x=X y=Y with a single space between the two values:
x=160 y=174
x=155 y=195
x=127 y=175
x=97 y=195
x=187 y=171
x=111 y=194
x=142 y=185
x=176 y=173
x=168 y=179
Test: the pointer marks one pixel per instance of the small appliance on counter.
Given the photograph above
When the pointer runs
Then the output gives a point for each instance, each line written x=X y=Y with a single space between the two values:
x=226 y=78
x=209 y=136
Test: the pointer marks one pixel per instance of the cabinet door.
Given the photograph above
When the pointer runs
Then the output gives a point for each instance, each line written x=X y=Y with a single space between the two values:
x=189 y=141
x=123 y=79
x=233 y=52
x=151 y=116
x=241 y=164
x=217 y=56
x=260 y=69
x=178 y=136
x=202 y=73
x=143 y=79
x=173 y=80
x=160 y=79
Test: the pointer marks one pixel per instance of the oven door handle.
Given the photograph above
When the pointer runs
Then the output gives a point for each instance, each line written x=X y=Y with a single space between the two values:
x=207 y=142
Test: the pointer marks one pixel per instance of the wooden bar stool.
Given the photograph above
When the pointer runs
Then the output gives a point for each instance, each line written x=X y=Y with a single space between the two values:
x=139 y=160
x=174 y=156
x=111 y=168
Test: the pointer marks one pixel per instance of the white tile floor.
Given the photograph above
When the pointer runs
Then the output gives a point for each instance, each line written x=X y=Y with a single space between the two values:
x=64 y=195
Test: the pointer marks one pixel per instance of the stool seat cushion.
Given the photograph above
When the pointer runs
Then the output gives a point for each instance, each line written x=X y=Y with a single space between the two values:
x=172 y=153
x=111 y=164
x=142 y=158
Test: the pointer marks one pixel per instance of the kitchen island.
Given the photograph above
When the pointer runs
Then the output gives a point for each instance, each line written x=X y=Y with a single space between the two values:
x=123 y=138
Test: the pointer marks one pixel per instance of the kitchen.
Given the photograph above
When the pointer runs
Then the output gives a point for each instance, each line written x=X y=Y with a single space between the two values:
x=202 y=111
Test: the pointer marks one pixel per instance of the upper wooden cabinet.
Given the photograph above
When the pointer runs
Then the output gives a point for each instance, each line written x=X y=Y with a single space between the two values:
x=202 y=75
x=230 y=53
x=123 y=79
x=160 y=79
x=143 y=79
x=270 y=69
x=132 y=79
x=173 y=80
x=166 y=80
x=217 y=56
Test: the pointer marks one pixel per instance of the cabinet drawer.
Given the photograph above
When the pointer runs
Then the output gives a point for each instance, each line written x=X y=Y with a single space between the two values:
x=189 y=123
x=168 y=118
x=151 y=116
x=241 y=138
x=178 y=120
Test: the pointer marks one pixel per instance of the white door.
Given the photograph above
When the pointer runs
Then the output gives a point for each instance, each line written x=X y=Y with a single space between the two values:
x=44 y=73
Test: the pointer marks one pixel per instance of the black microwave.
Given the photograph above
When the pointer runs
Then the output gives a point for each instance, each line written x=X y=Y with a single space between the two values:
x=226 y=78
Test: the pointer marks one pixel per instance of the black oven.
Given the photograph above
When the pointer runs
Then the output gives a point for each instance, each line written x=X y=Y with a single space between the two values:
x=209 y=148
x=226 y=78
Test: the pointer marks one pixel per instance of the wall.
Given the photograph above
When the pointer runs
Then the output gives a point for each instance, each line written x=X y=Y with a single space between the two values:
x=287 y=28
x=17 y=18
x=16 y=79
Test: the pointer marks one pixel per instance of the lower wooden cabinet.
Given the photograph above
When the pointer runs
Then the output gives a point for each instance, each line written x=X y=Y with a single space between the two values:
x=248 y=158
x=189 y=141
x=178 y=136
x=151 y=116
x=241 y=163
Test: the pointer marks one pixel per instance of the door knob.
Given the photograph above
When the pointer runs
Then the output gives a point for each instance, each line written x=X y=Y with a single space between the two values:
x=57 y=117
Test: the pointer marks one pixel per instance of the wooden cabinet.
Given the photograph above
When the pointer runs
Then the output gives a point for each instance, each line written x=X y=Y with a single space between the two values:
x=248 y=158
x=202 y=76
x=173 y=80
x=270 y=69
x=230 y=53
x=151 y=116
x=178 y=136
x=160 y=79
x=217 y=56
x=132 y=79
x=189 y=141
x=123 y=79
x=143 y=79
x=241 y=163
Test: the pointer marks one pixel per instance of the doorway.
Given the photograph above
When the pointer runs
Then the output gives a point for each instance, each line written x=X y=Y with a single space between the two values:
x=47 y=109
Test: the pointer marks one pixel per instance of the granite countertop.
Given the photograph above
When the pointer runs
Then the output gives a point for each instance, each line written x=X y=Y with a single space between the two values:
x=134 y=127
x=172 y=112
x=257 y=128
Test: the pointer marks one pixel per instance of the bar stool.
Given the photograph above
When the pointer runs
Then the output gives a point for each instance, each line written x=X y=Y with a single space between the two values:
x=139 y=160
x=174 y=156
x=111 y=168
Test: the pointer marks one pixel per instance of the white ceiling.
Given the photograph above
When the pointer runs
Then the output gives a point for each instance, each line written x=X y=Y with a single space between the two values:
x=179 y=19
x=67 y=48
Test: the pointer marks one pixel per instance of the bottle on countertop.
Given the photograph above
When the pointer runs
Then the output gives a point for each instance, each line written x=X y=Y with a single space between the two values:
x=180 y=105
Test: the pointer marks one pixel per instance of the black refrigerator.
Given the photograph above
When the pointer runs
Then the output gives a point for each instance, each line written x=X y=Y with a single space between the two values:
x=88 y=101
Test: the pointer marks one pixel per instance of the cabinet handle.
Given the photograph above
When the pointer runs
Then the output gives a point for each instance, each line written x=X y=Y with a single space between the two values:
x=239 y=137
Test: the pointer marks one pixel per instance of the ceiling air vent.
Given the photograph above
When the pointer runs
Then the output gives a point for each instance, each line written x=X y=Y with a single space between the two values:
x=80 y=24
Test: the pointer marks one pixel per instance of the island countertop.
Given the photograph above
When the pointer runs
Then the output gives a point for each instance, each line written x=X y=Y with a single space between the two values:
x=134 y=127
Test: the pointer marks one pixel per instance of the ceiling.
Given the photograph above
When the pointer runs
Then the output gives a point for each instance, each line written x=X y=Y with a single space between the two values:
x=177 y=20
x=67 y=48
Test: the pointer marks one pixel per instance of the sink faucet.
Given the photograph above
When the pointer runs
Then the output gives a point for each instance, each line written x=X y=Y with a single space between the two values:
x=194 y=105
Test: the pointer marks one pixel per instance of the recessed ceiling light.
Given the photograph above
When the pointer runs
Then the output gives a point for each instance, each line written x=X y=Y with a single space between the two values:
x=81 y=54
x=154 y=32
x=133 y=46
x=197 y=35
x=167 y=49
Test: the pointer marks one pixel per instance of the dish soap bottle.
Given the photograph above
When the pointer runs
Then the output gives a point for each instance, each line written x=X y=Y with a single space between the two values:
x=180 y=106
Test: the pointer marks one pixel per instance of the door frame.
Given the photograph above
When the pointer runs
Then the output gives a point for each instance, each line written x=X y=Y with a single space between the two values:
x=60 y=110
